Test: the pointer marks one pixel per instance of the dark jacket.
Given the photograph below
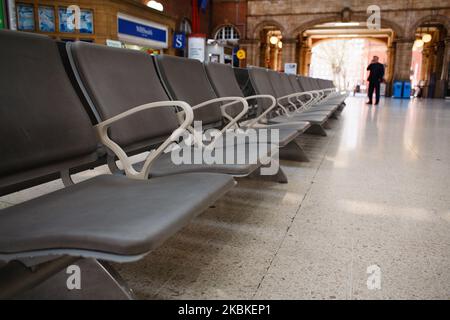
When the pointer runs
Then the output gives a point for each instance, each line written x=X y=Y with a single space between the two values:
x=376 y=72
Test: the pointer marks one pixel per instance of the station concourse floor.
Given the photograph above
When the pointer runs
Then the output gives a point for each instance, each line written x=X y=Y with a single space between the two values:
x=375 y=193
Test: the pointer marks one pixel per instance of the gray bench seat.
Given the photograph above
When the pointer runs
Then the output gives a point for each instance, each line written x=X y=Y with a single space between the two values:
x=108 y=214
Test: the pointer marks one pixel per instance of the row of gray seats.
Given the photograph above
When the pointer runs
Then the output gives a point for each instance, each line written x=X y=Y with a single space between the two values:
x=298 y=99
x=68 y=108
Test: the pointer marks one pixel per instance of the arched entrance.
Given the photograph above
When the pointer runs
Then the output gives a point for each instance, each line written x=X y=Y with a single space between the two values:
x=344 y=60
x=429 y=69
x=341 y=51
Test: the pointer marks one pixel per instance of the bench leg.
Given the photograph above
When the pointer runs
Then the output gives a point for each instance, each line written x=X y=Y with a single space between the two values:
x=327 y=125
x=293 y=152
x=16 y=277
x=334 y=115
x=316 y=129
x=98 y=280
x=279 y=177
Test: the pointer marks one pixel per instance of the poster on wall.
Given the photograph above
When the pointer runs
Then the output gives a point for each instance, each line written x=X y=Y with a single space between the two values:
x=290 y=68
x=65 y=17
x=46 y=19
x=196 y=46
x=66 y=20
x=25 y=17
x=87 y=21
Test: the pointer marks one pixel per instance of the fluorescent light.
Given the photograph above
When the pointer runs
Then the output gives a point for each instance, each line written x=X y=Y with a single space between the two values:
x=347 y=35
x=155 y=5
x=346 y=24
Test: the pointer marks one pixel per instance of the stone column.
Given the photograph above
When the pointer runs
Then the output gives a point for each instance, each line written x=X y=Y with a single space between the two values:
x=273 y=56
x=288 y=51
x=427 y=67
x=441 y=83
x=445 y=68
x=389 y=72
x=403 y=56
x=304 y=59
x=252 y=52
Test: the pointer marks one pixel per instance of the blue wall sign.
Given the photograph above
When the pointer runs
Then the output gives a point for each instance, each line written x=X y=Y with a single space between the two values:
x=179 y=40
x=141 y=32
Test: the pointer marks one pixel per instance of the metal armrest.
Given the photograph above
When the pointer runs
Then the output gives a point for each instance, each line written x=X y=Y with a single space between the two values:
x=102 y=131
x=295 y=95
x=262 y=115
x=317 y=96
x=286 y=98
x=304 y=105
x=233 y=121
x=223 y=108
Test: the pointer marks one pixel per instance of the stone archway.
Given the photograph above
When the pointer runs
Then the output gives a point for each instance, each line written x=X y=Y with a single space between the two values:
x=385 y=23
x=397 y=32
x=435 y=54
x=254 y=45
x=266 y=23
x=439 y=19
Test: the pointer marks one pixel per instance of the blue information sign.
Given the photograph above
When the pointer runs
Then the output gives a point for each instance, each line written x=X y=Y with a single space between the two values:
x=145 y=33
x=179 y=40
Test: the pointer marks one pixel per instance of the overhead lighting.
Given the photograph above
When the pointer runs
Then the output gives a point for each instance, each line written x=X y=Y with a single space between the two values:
x=155 y=5
x=273 y=40
x=280 y=44
x=346 y=24
x=418 y=43
x=426 y=38
x=347 y=35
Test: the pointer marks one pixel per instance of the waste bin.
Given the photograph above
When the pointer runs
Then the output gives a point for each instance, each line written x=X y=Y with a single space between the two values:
x=398 y=86
x=406 y=90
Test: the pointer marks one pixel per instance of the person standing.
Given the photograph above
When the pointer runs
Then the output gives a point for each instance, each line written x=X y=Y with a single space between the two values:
x=375 y=78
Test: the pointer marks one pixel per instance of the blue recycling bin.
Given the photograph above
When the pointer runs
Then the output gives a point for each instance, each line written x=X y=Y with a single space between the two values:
x=398 y=88
x=406 y=90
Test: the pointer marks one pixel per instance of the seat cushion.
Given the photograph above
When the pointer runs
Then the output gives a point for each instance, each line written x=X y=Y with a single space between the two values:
x=109 y=214
x=300 y=126
x=286 y=135
x=313 y=111
x=324 y=107
x=165 y=165
x=312 y=118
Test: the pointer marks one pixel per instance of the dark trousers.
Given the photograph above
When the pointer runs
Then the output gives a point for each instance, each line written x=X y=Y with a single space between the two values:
x=374 y=85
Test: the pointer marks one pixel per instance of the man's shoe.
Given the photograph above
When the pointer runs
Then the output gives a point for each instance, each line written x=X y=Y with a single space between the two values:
x=376 y=103
x=369 y=102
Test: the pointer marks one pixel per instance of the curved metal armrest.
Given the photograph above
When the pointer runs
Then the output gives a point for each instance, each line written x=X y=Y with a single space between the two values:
x=262 y=115
x=223 y=108
x=288 y=99
x=318 y=94
x=304 y=105
x=102 y=131
x=295 y=95
x=198 y=139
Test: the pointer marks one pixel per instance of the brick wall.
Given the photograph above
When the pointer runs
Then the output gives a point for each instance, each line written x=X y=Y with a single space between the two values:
x=179 y=9
x=229 y=12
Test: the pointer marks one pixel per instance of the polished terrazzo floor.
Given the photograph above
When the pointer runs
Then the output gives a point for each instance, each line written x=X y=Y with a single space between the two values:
x=376 y=192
